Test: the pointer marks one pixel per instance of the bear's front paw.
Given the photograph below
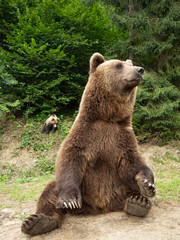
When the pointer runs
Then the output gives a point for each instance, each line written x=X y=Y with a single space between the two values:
x=147 y=188
x=71 y=199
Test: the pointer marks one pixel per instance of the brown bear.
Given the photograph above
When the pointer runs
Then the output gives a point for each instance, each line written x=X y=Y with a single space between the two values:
x=98 y=167
x=50 y=124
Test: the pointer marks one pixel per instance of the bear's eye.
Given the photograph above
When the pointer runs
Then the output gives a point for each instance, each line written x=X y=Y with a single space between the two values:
x=119 y=65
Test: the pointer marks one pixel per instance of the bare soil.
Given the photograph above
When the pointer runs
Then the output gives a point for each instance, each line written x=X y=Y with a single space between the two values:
x=162 y=223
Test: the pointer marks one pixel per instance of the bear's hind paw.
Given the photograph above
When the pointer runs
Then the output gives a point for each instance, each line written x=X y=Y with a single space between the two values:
x=38 y=224
x=137 y=206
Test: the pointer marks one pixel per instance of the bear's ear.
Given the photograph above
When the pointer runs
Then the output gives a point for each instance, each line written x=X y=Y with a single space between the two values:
x=129 y=62
x=95 y=61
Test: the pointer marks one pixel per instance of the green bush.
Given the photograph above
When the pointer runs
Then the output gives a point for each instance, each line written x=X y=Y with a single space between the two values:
x=9 y=101
x=48 y=51
x=46 y=46
x=156 y=110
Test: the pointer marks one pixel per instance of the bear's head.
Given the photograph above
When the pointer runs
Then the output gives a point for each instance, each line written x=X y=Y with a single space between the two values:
x=119 y=77
x=111 y=90
x=54 y=120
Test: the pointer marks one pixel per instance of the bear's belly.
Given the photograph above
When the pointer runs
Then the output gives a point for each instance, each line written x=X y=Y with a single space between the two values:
x=101 y=186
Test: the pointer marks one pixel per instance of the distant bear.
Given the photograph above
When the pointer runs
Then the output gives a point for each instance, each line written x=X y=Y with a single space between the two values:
x=50 y=124
x=98 y=167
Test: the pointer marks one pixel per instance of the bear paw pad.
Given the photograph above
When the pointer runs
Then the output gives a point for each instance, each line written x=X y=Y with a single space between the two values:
x=38 y=224
x=138 y=206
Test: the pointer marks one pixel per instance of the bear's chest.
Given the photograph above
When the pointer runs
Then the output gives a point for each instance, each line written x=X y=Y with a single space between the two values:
x=107 y=143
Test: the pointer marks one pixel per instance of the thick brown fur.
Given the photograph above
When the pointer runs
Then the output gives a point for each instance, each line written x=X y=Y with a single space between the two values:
x=98 y=167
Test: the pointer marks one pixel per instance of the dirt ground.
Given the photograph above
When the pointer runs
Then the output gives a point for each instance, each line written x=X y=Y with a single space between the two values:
x=162 y=223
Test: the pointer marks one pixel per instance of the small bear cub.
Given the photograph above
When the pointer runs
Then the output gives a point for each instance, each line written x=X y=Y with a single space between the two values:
x=50 y=124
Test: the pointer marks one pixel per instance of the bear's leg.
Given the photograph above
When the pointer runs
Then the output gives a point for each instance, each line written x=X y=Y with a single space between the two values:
x=47 y=217
x=137 y=206
x=54 y=129
x=49 y=128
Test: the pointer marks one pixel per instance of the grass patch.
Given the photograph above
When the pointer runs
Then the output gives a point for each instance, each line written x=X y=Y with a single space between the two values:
x=43 y=166
x=169 y=189
x=7 y=171
x=24 y=184
x=31 y=136
x=166 y=169
x=23 y=191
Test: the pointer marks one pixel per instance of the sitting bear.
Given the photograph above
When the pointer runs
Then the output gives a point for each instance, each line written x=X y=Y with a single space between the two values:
x=98 y=168
x=50 y=124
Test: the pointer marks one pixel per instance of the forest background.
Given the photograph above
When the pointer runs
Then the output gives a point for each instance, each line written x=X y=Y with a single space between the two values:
x=45 y=47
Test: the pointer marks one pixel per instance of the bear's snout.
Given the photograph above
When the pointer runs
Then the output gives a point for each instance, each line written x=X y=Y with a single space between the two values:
x=140 y=70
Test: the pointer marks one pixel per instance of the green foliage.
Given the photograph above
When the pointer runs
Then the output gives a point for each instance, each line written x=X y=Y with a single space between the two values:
x=8 y=100
x=156 y=109
x=7 y=172
x=65 y=127
x=48 y=51
x=46 y=46
x=31 y=136
x=43 y=166
x=8 y=15
x=154 y=34
x=152 y=42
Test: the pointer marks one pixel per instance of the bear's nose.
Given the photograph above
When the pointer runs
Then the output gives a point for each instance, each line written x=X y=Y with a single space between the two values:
x=140 y=70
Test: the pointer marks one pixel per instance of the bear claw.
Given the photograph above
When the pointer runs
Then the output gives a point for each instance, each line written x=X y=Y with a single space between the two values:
x=72 y=205
x=70 y=200
x=65 y=205
x=140 y=200
x=76 y=205
x=147 y=188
